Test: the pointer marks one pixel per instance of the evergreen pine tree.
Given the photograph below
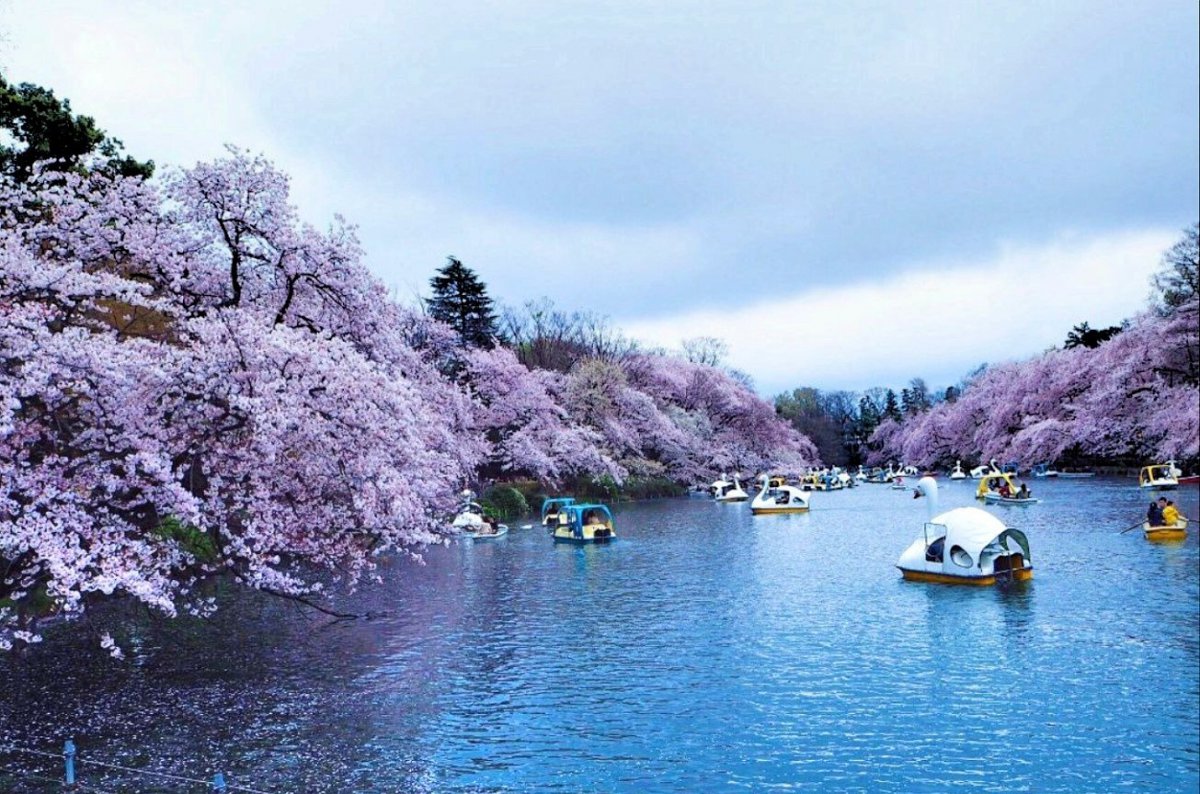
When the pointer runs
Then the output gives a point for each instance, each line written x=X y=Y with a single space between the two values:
x=890 y=408
x=461 y=301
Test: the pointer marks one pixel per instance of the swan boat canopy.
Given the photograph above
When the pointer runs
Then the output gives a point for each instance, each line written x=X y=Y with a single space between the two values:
x=1159 y=477
x=584 y=523
x=965 y=545
x=469 y=517
x=1176 y=531
x=775 y=497
x=981 y=470
x=551 y=508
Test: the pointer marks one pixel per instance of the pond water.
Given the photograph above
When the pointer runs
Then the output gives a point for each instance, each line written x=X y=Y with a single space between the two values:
x=705 y=650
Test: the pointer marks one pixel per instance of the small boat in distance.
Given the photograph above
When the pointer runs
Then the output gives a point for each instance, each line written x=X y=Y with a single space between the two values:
x=1075 y=475
x=898 y=483
x=1176 y=531
x=731 y=491
x=1043 y=470
x=966 y=545
x=584 y=523
x=487 y=531
x=776 y=497
x=958 y=473
x=1000 y=488
x=1158 y=477
x=982 y=469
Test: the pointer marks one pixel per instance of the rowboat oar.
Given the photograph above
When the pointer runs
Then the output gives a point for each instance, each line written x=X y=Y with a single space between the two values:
x=1135 y=526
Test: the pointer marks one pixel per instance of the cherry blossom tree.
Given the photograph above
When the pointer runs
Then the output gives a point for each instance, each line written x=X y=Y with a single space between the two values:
x=194 y=384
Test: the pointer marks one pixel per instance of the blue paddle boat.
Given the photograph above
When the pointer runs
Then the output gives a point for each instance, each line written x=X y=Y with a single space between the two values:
x=552 y=507
x=585 y=523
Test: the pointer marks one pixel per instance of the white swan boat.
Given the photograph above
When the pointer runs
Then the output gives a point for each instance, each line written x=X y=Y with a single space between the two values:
x=1159 y=477
x=732 y=492
x=958 y=473
x=469 y=517
x=966 y=545
x=776 y=497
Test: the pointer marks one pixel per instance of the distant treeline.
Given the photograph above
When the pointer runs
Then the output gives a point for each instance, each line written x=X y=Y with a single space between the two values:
x=1121 y=395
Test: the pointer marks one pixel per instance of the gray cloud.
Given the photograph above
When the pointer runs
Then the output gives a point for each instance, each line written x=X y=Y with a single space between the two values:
x=651 y=160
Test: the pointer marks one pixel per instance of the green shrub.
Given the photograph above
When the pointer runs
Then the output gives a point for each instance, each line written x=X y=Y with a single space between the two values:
x=504 y=502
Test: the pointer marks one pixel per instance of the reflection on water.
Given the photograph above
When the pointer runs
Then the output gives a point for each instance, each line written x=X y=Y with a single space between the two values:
x=705 y=649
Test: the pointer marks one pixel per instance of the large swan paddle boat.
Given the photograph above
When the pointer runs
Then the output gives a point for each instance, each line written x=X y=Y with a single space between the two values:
x=730 y=491
x=990 y=490
x=584 y=523
x=965 y=545
x=1168 y=532
x=777 y=497
x=1159 y=477
x=958 y=473
x=551 y=508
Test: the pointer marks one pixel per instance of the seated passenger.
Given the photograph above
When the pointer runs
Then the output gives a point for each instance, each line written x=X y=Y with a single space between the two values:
x=935 y=550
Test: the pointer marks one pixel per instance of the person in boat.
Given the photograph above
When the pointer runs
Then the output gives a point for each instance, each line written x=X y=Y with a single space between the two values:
x=1005 y=491
x=1170 y=514
x=936 y=549
x=594 y=519
x=489 y=526
x=1023 y=492
x=1154 y=515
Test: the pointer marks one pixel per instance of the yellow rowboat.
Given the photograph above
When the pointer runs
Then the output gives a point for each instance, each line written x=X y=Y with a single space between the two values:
x=1176 y=531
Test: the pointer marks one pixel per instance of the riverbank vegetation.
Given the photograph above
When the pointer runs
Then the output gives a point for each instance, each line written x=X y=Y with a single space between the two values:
x=195 y=383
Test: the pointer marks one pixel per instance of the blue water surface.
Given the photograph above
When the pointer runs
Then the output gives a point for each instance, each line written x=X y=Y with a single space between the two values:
x=706 y=650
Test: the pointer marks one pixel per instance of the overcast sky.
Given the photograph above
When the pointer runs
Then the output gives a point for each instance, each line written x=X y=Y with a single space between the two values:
x=849 y=193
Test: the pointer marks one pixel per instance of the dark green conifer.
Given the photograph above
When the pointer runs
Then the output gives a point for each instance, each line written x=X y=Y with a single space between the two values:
x=461 y=301
x=41 y=127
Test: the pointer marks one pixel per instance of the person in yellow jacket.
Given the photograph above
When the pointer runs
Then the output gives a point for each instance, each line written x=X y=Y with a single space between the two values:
x=1170 y=515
